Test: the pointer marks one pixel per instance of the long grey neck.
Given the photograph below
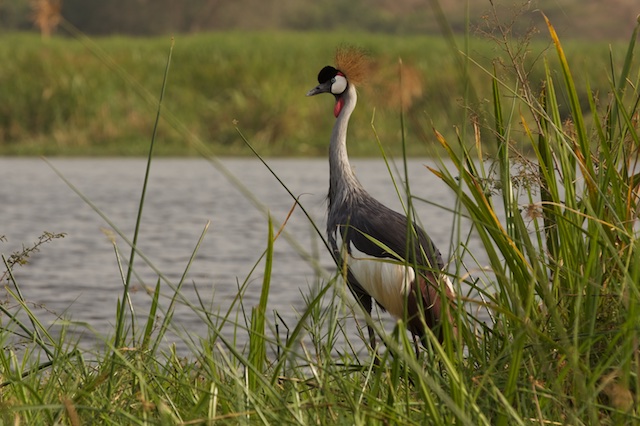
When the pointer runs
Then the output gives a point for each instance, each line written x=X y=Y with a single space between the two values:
x=343 y=183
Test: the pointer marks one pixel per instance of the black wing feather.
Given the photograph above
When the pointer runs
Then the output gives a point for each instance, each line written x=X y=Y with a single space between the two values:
x=373 y=220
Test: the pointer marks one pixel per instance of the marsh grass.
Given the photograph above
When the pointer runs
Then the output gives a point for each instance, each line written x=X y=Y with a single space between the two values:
x=80 y=96
x=561 y=284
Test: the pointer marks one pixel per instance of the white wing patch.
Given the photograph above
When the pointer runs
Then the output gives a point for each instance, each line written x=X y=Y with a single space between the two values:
x=386 y=280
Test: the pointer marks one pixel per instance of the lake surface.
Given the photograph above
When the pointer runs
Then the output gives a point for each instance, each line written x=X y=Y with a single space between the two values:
x=78 y=278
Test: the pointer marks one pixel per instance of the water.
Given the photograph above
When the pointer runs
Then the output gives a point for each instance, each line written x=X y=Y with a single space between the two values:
x=77 y=278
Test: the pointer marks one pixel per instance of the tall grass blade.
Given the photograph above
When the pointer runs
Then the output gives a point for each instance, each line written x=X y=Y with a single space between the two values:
x=177 y=292
x=257 y=342
x=119 y=337
x=584 y=154
x=151 y=318
x=120 y=321
x=548 y=179
x=621 y=83
x=508 y=196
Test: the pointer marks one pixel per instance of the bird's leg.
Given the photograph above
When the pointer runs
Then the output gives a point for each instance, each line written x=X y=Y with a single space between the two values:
x=367 y=305
x=416 y=344
x=372 y=337
x=374 y=346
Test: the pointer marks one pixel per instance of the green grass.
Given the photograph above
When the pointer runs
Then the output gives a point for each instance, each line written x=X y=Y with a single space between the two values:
x=562 y=284
x=76 y=96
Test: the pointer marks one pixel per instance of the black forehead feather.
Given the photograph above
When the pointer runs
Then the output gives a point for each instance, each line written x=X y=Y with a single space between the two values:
x=326 y=74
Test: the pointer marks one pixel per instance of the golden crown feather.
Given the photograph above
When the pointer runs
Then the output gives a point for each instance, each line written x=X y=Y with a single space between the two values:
x=353 y=62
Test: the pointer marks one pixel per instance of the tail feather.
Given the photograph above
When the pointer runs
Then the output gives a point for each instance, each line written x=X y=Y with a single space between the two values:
x=425 y=307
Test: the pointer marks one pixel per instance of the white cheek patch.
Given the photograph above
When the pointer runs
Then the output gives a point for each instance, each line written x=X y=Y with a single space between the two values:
x=339 y=84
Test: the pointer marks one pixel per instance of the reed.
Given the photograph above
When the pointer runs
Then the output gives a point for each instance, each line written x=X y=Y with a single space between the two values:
x=80 y=96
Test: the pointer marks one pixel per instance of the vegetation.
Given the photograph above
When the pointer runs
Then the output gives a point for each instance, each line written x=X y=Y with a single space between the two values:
x=584 y=19
x=97 y=97
x=562 y=285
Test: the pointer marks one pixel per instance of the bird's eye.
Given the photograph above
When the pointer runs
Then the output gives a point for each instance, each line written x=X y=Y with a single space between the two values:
x=338 y=84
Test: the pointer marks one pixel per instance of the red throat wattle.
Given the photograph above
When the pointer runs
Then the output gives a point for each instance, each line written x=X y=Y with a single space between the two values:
x=338 y=107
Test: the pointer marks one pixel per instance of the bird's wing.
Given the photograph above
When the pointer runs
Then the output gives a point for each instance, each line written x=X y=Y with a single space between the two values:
x=376 y=229
x=389 y=228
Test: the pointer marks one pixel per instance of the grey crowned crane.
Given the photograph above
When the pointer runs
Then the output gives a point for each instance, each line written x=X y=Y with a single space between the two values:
x=367 y=237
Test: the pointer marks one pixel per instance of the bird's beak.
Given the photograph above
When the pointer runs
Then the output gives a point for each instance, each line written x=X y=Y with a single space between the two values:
x=320 y=88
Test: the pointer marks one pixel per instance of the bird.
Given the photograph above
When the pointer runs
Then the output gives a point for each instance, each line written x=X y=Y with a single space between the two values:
x=384 y=257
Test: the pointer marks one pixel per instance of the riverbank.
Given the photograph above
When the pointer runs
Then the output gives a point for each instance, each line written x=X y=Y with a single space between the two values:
x=98 y=97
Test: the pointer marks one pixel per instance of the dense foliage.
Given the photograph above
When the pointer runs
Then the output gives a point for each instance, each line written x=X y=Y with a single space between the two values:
x=596 y=20
x=85 y=97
